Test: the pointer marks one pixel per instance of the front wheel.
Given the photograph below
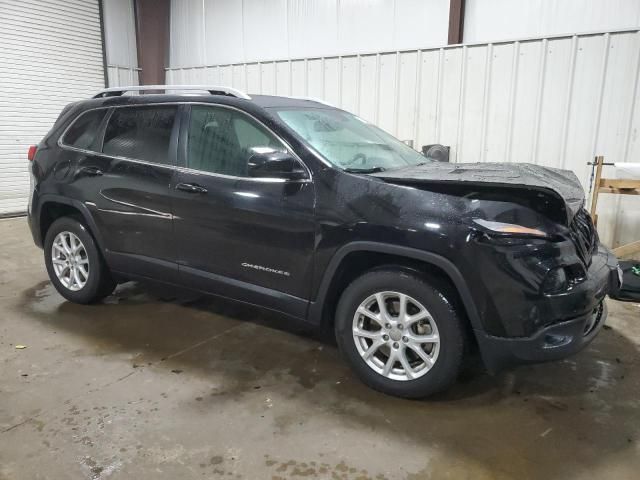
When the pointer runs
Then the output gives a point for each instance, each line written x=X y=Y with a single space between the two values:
x=400 y=333
x=74 y=263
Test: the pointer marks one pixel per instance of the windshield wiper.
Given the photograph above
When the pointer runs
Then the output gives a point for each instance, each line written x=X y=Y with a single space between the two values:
x=364 y=170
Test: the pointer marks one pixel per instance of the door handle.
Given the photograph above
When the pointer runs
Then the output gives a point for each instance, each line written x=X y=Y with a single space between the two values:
x=91 y=171
x=191 y=188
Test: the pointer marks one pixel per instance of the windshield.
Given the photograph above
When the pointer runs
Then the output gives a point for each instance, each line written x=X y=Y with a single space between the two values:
x=348 y=141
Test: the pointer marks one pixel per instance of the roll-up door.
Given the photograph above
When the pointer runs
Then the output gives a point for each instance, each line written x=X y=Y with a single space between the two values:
x=50 y=55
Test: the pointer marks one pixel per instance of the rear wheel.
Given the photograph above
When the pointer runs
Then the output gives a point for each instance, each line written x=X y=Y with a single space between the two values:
x=74 y=263
x=400 y=333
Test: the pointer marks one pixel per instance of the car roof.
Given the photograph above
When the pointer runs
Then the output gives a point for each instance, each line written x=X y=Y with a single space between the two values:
x=256 y=102
x=275 y=101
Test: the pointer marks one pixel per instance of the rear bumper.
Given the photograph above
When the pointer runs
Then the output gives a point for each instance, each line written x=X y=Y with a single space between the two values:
x=33 y=226
x=564 y=336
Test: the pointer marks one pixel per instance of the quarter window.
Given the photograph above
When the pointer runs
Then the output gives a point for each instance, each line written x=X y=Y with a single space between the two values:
x=141 y=133
x=82 y=133
x=222 y=140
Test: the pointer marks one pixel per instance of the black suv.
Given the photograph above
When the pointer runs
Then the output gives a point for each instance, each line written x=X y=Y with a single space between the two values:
x=308 y=210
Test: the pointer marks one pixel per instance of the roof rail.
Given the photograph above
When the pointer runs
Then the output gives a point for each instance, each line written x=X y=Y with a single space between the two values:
x=212 y=89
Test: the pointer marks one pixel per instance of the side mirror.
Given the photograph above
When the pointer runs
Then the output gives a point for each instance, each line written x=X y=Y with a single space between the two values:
x=268 y=163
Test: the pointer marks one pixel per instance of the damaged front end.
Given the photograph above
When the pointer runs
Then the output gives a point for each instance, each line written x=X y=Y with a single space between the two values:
x=555 y=193
x=537 y=270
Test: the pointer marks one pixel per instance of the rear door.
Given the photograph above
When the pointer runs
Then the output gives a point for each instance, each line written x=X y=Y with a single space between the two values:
x=239 y=236
x=126 y=180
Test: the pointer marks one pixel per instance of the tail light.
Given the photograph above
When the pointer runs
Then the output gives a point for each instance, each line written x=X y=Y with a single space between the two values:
x=32 y=152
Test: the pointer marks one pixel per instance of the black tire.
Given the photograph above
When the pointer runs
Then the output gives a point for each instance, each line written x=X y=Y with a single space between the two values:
x=452 y=332
x=99 y=283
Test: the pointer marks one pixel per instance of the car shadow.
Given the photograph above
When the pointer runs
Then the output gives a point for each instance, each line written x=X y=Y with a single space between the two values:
x=550 y=420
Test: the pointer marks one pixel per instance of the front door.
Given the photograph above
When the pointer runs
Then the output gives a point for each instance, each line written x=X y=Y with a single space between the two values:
x=242 y=237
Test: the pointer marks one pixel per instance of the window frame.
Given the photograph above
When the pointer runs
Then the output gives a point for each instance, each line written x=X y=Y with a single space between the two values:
x=178 y=152
x=184 y=147
x=173 y=140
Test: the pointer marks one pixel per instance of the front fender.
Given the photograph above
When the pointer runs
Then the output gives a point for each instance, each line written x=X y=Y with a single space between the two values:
x=316 y=307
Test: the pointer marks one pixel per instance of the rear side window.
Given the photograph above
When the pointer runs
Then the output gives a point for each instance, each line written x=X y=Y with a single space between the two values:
x=82 y=133
x=141 y=133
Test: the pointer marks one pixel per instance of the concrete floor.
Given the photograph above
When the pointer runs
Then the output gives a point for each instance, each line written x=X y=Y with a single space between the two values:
x=151 y=384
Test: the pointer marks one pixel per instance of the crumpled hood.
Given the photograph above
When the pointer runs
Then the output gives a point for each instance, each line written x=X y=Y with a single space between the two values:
x=560 y=183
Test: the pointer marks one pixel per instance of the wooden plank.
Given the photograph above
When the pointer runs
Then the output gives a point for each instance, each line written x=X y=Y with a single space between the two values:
x=619 y=183
x=628 y=249
x=616 y=186
x=619 y=191
x=596 y=187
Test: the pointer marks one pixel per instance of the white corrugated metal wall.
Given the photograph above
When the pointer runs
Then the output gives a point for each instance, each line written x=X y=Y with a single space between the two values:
x=50 y=55
x=555 y=102
x=493 y=20
x=212 y=32
x=120 y=42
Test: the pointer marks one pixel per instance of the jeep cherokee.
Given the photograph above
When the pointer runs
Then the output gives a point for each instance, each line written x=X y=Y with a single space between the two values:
x=307 y=210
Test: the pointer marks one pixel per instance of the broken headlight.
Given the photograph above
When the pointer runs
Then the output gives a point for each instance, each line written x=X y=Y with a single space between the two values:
x=510 y=228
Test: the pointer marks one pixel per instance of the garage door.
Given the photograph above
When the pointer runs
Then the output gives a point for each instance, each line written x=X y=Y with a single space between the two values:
x=50 y=55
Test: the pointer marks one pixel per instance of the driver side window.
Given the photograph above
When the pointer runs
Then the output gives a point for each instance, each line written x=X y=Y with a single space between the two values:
x=222 y=140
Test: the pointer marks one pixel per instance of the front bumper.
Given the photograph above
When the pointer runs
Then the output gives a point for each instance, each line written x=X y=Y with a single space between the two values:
x=562 y=337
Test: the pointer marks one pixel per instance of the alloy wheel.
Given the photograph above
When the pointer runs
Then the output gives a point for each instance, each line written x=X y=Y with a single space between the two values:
x=70 y=261
x=396 y=335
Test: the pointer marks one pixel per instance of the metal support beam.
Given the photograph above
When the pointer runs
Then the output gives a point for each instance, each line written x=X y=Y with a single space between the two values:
x=152 y=37
x=104 y=44
x=456 y=21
